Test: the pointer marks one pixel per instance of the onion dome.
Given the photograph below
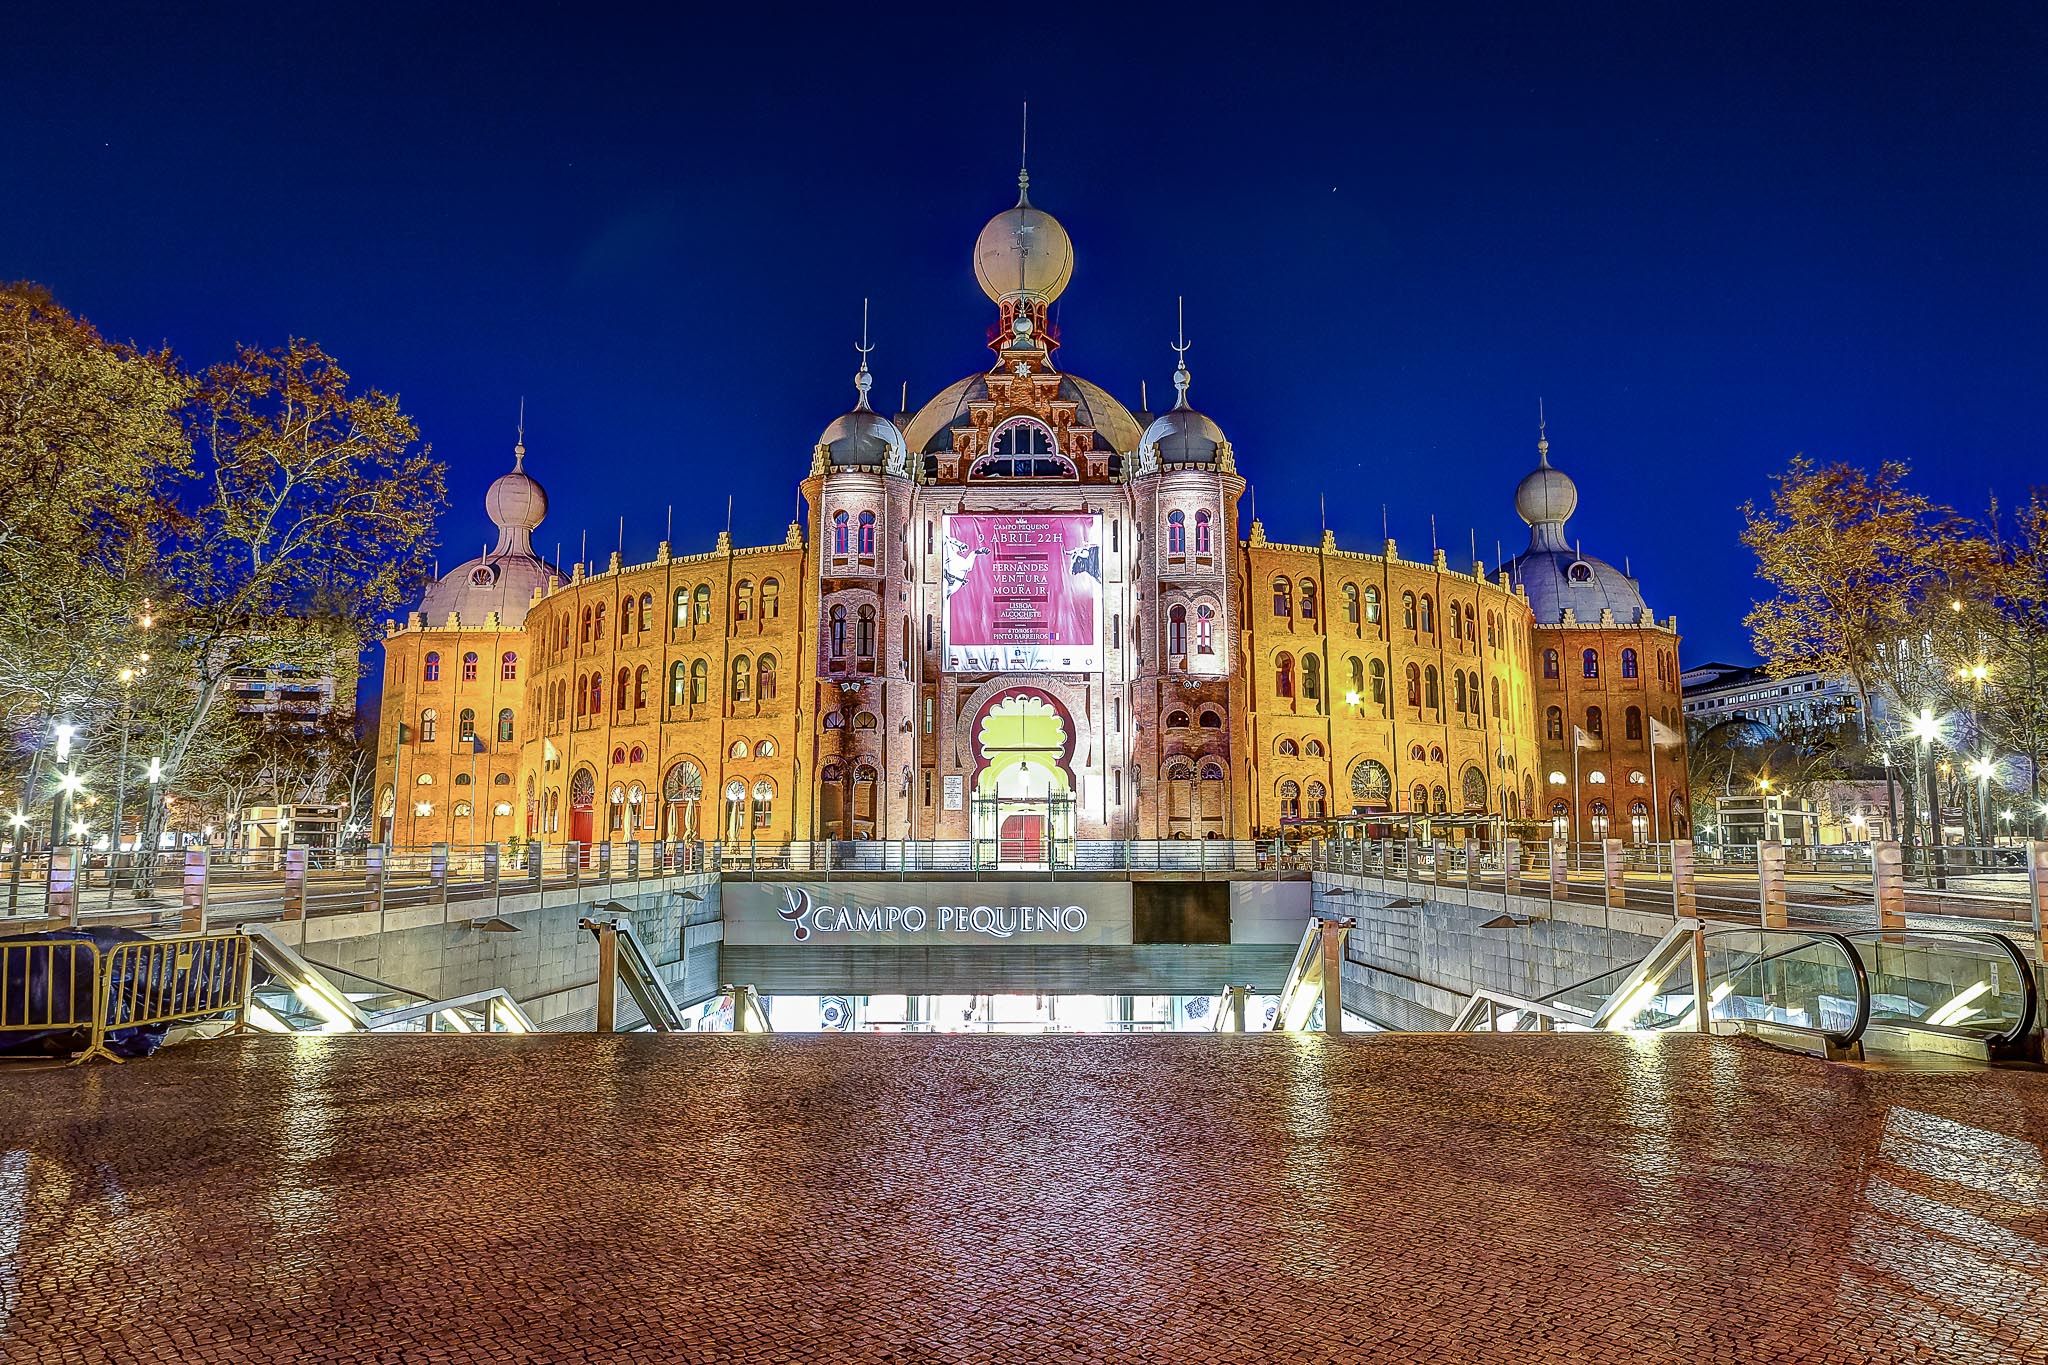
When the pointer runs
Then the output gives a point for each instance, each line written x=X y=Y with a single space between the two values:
x=1023 y=252
x=504 y=579
x=1182 y=435
x=864 y=438
x=1554 y=573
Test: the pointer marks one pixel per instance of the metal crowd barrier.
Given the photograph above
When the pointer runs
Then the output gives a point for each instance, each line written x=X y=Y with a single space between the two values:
x=129 y=985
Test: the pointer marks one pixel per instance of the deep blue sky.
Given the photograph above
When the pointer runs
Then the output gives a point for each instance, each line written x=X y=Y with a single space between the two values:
x=1708 y=237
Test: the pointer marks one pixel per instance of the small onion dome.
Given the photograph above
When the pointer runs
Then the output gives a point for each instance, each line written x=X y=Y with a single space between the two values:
x=1546 y=497
x=1182 y=435
x=864 y=437
x=1023 y=252
x=504 y=580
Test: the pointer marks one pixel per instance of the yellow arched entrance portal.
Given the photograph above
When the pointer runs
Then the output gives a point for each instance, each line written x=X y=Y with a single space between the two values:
x=1023 y=795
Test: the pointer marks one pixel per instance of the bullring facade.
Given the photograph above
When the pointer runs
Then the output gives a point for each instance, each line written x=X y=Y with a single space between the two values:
x=1024 y=614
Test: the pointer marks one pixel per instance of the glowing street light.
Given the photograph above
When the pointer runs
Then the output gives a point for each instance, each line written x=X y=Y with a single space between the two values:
x=1925 y=727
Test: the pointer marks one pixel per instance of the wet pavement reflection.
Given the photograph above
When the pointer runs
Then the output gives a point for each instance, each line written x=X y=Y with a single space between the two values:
x=1391 y=1198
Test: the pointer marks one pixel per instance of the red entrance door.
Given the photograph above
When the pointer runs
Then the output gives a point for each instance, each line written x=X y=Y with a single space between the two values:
x=579 y=830
x=1022 y=839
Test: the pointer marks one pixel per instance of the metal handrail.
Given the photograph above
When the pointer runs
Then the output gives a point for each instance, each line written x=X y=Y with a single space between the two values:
x=2030 y=1008
x=496 y=998
x=1856 y=967
x=1496 y=1000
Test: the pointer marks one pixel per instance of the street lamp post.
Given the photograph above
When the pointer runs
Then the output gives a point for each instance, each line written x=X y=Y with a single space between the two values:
x=66 y=782
x=1926 y=731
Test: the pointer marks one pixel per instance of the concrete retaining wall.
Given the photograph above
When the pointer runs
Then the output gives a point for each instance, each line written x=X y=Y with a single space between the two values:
x=549 y=964
x=1414 y=966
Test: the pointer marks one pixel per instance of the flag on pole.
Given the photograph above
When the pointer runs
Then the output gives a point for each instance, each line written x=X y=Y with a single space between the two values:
x=1582 y=740
x=1663 y=736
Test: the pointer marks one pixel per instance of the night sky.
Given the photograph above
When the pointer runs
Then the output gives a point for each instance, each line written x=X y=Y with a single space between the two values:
x=1708 y=238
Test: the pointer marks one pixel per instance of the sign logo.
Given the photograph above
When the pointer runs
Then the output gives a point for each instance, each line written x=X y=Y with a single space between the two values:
x=796 y=909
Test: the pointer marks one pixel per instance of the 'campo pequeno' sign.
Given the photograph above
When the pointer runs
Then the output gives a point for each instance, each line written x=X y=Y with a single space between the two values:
x=762 y=914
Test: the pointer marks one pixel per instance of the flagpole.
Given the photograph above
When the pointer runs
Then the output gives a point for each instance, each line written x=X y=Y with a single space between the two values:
x=1576 y=801
x=1656 y=832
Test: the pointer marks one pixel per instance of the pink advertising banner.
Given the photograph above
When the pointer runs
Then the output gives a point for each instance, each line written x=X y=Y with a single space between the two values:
x=1023 y=593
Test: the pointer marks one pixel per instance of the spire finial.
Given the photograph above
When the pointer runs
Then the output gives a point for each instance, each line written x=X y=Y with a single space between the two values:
x=1181 y=377
x=519 y=445
x=1024 y=160
x=862 y=380
x=1542 y=437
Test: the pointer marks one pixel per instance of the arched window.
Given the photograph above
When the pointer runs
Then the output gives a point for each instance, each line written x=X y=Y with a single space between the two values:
x=1318 y=801
x=840 y=537
x=1287 y=748
x=1458 y=690
x=1473 y=789
x=647 y=611
x=1378 y=673
x=1350 y=604
x=1312 y=679
x=864 y=633
x=505 y=726
x=1211 y=720
x=743 y=600
x=1312 y=747
x=1205 y=629
x=867 y=535
x=700 y=604
x=582 y=693
x=1408 y=611
x=508 y=666
x=771 y=599
x=764 y=677
x=682 y=608
x=1415 y=685
x=1176 y=720
x=1589 y=663
x=765 y=749
x=1432 y=694
x=1201 y=533
x=836 y=632
x=678 y=684
x=740 y=749
x=1553 y=723
x=742 y=679
x=700 y=682
x=1372 y=606
x=583 y=634
x=1418 y=799
x=1177 y=631
x=1308 y=599
x=1354 y=677
x=469 y=662
x=1599 y=822
x=764 y=803
x=597 y=694
x=1628 y=663
x=1283 y=597
x=465 y=725
x=1283 y=676
x=1290 y=800
x=1632 y=722
x=1176 y=533
x=1428 y=614
x=1593 y=721
x=429 y=723
x=597 y=625
x=430 y=671
x=640 y=687
x=626 y=616
x=1550 y=663
x=1496 y=698
x=1457 y=621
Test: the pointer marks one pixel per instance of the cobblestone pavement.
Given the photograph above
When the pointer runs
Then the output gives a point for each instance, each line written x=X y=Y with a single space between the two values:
x=577 y=1198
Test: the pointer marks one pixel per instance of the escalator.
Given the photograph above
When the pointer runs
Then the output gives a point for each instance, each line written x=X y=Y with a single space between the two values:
x=1901 y=997
x=290 y=994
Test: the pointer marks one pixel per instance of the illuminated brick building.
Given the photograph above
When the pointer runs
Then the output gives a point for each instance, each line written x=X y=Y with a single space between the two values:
x=1022 y=613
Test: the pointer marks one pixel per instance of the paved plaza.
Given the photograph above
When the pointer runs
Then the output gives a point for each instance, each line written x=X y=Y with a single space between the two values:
x=581 y=1198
